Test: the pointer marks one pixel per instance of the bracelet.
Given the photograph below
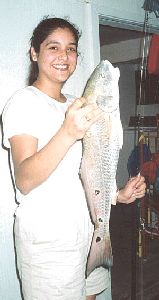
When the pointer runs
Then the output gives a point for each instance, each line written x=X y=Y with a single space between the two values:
x=115 y=199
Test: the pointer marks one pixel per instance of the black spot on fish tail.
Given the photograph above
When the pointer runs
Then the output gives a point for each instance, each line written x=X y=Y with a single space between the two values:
x=100 y=253
x=97 y=192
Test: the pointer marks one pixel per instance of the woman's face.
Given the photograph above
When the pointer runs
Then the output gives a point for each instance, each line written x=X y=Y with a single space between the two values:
x=57 y=57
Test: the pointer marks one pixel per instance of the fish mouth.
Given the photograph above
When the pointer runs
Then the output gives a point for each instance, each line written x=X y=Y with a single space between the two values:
x=60 y=67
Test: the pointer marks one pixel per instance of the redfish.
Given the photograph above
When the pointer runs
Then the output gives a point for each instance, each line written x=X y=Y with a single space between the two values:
x=101 y=147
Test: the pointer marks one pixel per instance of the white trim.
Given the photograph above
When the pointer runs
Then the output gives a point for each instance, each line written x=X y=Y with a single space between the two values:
x=125 y=23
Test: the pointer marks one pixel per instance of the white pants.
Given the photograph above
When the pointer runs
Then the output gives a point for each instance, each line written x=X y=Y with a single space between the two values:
x=106 y=294
x=51 y=271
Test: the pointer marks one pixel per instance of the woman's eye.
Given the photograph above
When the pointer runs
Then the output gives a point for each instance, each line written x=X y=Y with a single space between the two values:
x=53 y=48
x=72 y=49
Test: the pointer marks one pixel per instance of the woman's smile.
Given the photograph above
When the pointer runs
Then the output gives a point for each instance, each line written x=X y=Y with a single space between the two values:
x=60 y=67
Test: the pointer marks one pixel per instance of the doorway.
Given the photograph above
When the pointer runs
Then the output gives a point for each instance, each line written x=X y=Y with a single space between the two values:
x=133 y=278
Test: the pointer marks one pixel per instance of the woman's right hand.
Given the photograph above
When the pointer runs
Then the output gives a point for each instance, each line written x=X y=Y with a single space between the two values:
x=79 y=117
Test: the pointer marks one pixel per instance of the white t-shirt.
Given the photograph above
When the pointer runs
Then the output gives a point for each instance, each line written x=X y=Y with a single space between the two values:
x=30 y=111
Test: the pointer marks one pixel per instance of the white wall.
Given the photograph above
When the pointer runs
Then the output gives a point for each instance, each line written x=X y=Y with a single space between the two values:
x=9 y=287
x=127 y=109
x=124 y=51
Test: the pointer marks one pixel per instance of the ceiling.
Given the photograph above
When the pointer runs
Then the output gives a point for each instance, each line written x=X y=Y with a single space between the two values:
x=111 y=35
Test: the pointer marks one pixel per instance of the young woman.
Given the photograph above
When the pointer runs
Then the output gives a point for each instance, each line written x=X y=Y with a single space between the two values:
x=43 y=128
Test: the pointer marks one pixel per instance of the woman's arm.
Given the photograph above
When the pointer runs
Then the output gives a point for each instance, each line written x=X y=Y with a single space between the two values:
x=32 y=167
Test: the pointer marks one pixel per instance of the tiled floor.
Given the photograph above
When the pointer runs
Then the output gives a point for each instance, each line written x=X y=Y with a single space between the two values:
x=132 y=277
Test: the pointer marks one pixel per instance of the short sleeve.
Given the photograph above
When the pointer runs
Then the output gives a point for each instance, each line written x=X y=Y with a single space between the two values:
x=22 y=115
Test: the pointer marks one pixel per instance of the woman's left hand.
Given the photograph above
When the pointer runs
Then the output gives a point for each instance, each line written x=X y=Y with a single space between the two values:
x=134 y=188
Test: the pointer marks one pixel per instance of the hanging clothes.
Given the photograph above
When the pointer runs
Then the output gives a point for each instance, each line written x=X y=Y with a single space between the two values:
x=153 y=56
x=133 y=164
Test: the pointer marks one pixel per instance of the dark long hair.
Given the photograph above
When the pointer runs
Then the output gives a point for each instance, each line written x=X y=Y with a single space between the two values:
x=40 y=33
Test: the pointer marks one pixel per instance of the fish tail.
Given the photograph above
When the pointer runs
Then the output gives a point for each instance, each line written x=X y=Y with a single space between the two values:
x=100 y=253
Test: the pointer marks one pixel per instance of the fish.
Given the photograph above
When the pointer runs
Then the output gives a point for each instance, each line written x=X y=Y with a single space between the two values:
x=101 y=146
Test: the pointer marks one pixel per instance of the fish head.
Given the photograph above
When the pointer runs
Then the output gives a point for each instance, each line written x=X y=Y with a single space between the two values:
x=102 y=87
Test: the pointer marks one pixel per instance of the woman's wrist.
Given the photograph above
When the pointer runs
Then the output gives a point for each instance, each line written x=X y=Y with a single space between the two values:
x=121 y=196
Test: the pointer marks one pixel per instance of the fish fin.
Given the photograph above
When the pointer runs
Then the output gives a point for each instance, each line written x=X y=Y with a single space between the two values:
x=100 y=253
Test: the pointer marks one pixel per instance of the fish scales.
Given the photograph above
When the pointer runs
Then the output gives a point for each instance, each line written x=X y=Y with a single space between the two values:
x=101 y=146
